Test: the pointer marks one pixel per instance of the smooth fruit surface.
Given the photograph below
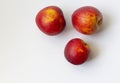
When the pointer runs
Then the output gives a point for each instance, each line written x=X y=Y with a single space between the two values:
x=50 y=20
x=76 y=51
x=87 y=19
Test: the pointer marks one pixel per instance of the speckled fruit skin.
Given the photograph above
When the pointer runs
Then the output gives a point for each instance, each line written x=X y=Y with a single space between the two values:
x=87 y=20
x=50 y=20
x=76 y=51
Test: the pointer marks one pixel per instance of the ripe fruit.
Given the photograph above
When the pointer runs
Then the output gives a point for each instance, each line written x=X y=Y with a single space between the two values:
x=50 y=20
x=76 y=51
x=87 y=19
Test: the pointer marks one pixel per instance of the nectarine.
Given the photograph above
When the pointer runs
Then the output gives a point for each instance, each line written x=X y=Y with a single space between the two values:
x=87 y=20
x=50 y=20
x=76 y=51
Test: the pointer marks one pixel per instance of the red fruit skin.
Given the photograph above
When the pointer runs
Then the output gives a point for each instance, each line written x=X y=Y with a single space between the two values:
x=76 y=51
x=50 y=20
x=87 y=20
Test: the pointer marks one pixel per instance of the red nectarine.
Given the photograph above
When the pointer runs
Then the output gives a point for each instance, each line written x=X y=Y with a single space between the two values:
x=76 y=51
x=50 y=20
x=87 y=19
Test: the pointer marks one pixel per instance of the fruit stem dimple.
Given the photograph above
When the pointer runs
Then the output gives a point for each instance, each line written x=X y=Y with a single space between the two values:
x=99 y=22
x=85 y=44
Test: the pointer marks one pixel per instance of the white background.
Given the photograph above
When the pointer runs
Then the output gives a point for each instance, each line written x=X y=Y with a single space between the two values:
x=29 y=56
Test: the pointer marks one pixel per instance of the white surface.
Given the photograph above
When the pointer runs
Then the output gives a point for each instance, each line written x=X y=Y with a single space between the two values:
x=29 y=56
